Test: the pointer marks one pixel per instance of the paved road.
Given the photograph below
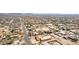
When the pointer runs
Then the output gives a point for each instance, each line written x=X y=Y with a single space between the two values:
x=62 y=40
x=26 y=36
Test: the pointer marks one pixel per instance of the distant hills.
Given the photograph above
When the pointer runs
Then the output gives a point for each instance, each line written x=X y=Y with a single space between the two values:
x=30 y=14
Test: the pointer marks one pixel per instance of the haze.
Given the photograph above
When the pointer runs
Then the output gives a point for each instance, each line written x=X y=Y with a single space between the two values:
x=39 y=6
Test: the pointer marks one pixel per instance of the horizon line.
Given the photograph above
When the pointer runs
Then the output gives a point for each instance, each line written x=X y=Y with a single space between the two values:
x=38 y=13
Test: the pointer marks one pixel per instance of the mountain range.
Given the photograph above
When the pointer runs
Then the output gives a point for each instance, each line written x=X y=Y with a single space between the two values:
x=35 y=14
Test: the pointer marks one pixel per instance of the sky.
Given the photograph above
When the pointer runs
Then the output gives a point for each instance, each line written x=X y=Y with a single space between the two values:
x=40 y=6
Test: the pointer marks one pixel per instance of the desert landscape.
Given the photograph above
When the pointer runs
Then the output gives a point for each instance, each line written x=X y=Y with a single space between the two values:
x=39 y=29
